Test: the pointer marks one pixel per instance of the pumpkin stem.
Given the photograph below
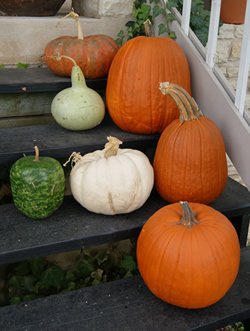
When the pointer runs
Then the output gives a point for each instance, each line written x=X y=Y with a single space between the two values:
x=37 y=154
x=148 y=28
x=75 y=16
x=74 y=158
x=188 y=108
x=111 y=148
x=188 y=217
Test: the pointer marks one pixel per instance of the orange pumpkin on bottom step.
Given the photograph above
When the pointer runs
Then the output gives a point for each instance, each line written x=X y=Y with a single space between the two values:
x=188 y=254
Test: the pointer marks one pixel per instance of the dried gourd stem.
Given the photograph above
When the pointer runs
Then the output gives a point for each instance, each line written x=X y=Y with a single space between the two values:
x=58 y=57
x=188 y=217
x=187 y=106
x=75 y=16
x=37 y=154
x=148 y=28
x=111 y=147
x=74 y=158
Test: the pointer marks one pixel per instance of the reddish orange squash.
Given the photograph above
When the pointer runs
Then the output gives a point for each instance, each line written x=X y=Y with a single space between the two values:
x=188 y=254
x=93 y=54
x=190 y=159
x=133 y=99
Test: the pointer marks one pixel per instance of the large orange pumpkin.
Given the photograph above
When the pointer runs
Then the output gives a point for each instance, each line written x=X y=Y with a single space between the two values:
x=134 y=102
x=190 y=159
x=93 y=54
x=188 y=254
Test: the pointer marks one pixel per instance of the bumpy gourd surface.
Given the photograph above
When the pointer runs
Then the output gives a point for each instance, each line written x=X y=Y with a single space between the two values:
x=37 y=187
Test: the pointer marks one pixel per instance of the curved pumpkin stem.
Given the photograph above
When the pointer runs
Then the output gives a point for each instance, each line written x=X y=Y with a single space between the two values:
x=111 y=147
x=75 y=16
x=188 y=108
x=188 y=217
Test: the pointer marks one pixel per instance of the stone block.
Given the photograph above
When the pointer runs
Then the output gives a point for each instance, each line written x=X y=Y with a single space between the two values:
x=223 y=51
x=226 y=31
x=116 y=8
x=236 y=49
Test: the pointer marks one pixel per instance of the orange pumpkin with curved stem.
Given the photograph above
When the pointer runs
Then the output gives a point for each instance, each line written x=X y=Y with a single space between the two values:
x=93 y=54
x=190 y=159
x=188 y=254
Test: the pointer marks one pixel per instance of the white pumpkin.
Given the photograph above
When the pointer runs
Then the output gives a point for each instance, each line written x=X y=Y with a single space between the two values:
x=113 y=180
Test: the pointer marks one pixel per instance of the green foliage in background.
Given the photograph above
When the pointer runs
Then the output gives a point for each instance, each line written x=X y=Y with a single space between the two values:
x=199 y=19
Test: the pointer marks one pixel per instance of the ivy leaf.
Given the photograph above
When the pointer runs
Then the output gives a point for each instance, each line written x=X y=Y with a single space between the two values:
x=157 y=10
x=15 y=282
x=85 y=269
x=28 y=282
x=121 y=34
x=53 y=276
x=170 y=17
x=163 y=29
x=36 y=265
x=172 y=35
x=128 y=263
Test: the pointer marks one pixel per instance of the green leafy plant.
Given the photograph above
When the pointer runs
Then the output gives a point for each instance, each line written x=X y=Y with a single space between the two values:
x=22 y=65
x=143 y=12
x=39 y=277
x=199 y=19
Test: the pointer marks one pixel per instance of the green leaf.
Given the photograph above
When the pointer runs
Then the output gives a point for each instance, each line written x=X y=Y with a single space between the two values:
x=121 y=34
x=170 y=17
x=22 y=65
x=85 y=269
x=36 y=265
x=128 y=263
x=163 y=29
x=28 y=282
x=15 y=282
x=172 y=35
x=53 y=276
x=1 y=66
x=157 y=10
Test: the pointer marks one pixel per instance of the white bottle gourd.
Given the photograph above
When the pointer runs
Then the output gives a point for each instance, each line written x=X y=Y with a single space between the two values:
x=77 y=107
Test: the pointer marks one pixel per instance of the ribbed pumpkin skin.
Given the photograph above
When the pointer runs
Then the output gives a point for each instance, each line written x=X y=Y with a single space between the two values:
x=190 y=162
x=133 y=98
x=189 y=268
x=93 y=55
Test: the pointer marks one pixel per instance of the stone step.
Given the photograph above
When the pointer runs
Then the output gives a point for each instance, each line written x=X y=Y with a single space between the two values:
x=23 y=39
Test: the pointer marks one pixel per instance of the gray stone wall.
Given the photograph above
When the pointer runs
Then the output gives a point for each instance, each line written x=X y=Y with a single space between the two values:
x=228 y=55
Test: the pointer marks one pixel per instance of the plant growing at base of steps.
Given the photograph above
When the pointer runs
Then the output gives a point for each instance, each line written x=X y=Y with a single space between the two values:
x=39 y=277
x=199 y=19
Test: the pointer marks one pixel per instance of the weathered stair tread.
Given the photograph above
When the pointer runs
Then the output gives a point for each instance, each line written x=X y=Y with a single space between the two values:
x=55 y=141
x=73 y=227
x=128 y=305
x=25 y=80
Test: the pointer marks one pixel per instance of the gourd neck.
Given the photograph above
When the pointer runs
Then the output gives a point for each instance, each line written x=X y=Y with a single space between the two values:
x=111 y=147
x=188 y=216
x=188 y=108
